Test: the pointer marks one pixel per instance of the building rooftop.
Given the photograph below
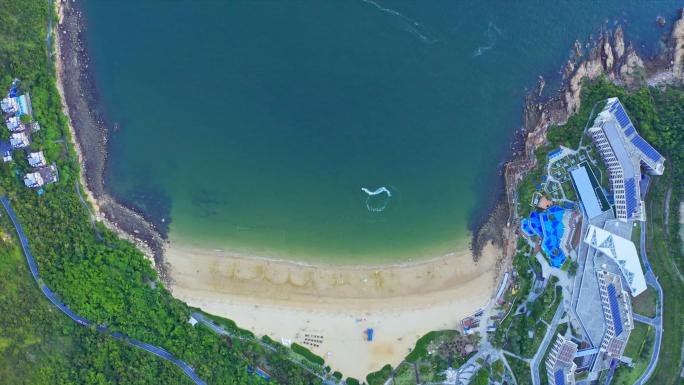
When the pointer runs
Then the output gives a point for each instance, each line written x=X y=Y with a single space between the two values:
x=14 y=123
x=5 y=151
x=36 y=159
x=623 y=252
x=624 y=152
x=618 y=317
x=49 y=173
x=560 y=365
x=587 y=191
x=33 y=180
x=9 y=105
x=19 y=140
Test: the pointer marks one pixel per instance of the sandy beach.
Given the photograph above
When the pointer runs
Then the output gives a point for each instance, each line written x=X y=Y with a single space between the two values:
x=287 y=300
x=283 y=299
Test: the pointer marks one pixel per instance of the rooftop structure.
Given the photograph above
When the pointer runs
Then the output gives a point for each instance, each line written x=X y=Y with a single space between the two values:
x=49 y=173
x=19 y=140
x=24 y=103
x=36 y=159
x=33 y=180
x=5 y=151
x=618 y=318
x=623 y=252
x=9 y=105
x=14 y=124
x=34 y=126
x=623 y=151
x=559 y=365
x=589 y=191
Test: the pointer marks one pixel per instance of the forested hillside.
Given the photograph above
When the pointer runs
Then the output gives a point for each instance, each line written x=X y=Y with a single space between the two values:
x=107 y=281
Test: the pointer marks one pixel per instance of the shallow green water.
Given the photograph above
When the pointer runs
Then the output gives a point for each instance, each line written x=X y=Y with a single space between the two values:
x=254 y=126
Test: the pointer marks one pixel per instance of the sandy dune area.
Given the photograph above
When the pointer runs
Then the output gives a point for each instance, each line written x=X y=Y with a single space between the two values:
x=334 y=305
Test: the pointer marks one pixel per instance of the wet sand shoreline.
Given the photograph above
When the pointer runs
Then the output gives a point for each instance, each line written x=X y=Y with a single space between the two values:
x=286 y=299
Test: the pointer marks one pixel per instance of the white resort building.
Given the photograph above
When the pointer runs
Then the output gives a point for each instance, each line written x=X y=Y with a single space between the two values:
x=623 y=252
x=624 y=152
x=9 y=105
x=19 y=140
x=617 y=314
x=560 y=367
x=33 y=180
x=14 y=124
x=36 y=159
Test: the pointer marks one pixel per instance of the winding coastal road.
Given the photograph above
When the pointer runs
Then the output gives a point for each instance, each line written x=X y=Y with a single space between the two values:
x=157 y=351
x=651 y=280
x=657 y=322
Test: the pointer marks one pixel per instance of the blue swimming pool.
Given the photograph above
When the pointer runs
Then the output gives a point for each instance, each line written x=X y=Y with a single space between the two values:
x=548 y=225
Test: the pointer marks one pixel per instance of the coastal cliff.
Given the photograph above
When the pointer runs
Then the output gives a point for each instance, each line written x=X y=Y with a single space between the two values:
x=87 y=125
x=608 y=57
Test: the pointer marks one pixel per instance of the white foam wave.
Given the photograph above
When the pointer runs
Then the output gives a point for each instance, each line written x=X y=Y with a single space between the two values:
x=409 y=25
x=377 y=191
x=376 y=207
x=491 y=34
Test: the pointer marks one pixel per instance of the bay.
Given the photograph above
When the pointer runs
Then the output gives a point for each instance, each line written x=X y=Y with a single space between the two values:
x=254 y=126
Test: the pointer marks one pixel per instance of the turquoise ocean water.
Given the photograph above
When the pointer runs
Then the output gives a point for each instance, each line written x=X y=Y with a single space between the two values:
x=255 y=125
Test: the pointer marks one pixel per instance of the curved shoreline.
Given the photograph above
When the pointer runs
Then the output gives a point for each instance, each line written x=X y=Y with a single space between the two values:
x=79 y=99
x=408 y=299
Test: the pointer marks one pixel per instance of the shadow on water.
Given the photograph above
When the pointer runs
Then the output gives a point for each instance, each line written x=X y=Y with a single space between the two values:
x=151 y=201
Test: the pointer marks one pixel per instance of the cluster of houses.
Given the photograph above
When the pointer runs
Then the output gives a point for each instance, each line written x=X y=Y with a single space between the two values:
x=18 y=116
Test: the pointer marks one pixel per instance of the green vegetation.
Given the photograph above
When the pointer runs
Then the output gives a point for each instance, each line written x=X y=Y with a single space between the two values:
x=429 y=358
x=481 y=377
x=659 y=117
x=521 y=370
x=639 y=348
x=308 y=354
x=430 y=340
x=405 y=374
x=379 y=377
x=107 y=281
x=524 y=280
x=646 y=302
x=664 y=259
x=572 y=267
x=516 y=330
x=561 y=329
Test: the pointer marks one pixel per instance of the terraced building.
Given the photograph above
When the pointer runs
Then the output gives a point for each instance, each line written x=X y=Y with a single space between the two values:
x=624 y=152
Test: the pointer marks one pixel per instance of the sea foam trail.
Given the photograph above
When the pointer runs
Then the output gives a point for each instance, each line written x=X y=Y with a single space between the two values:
x=377 y=191
x=372 y=206
x=492 y=33
x=410 y=25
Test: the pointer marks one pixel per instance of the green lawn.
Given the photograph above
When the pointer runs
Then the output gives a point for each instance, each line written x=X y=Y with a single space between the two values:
x=405 y=374
x=639 y=348
x=646 y=302
x=561 y=329
x=668 y=368
x=521 y=370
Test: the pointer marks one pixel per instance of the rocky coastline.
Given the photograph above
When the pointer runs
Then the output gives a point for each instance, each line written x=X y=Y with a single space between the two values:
x=90 y=132
x=606 y=56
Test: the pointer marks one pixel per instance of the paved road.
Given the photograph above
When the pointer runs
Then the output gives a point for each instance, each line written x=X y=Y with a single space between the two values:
x=644 y=320
x=82 y=321
x=550 y=333
x=658 y=320
x=222 y=331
